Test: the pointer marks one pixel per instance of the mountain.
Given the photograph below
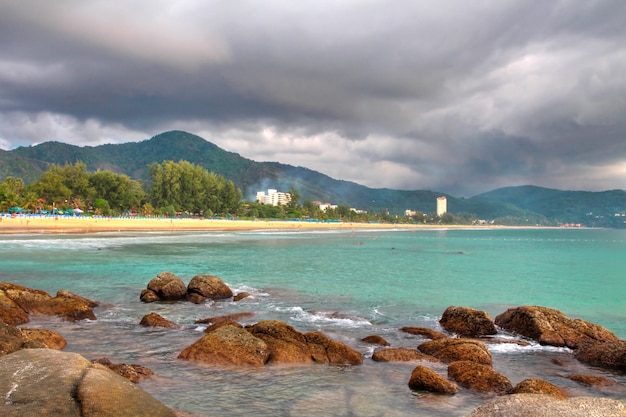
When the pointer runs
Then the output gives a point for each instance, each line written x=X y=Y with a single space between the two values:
x=605 y=208
x=133 y=158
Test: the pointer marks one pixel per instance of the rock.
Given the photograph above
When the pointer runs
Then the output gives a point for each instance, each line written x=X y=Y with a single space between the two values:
x=452 y=349
x=67 y=294
x=375 y=340
x=70 y=309
x=611 y=355
x=167 y=287
x=538 y=386
x=223 y=323
x=551 y=327
x=285 y=343
x=149 y=296
x=134 y=373
x=228 y=317
x=467 y=322
x=423 y=379
x=10 y=312
x=209 y=286
x=240 y=296
x=11 y=339
x=401 y=355
x=45 y=382
x=25 y=297
x=50 y=339
x=195 y=298
x=424 y=331
x=228 y=345
x=526 y=405
x=323 y=349
x=155 y=320
x=478 y=377
x=592 y=380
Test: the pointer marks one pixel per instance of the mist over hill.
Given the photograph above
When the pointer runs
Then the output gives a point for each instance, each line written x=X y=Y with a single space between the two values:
x=536 y=204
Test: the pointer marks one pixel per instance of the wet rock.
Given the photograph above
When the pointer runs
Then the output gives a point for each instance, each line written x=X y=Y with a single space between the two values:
x=45 y=382
x=167 y=287
x=155 y=320
x=375 y=340
x=68 y=295
x=526 y=405
x=467 y=322
x=209 y=286
x=325 y=350
x=551 y=327
x=134 y=373
x=195 y=298
x=611 y=355
x=478 y=377
x=228 y=346
x=452 y=349
x=48 y=338
x=240 y=296
x=424 y=331
x=285 y=343
x=149 y=296
x=538 y=386
x=223 y=323
x=592 y=380
x=423 y=379
x=228 y=317
x=401 y=355
x=10 y=312
x=69 y=309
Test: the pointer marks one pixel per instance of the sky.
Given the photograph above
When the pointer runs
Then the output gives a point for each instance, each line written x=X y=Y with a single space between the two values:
x=451 y=96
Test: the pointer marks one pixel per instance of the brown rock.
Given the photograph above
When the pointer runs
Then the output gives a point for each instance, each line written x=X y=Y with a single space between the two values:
x=375 y=340
x=10 y=312
x=452 y=349
x=228 y=345
x=611 y=355
x=240 y=296
x=478 y=377
x=551 y=327
x=424 y=331
x=11 y=339
x=538 y=386
x=467 y=322
x=223 y=323
x=67 y=294
x=149 y=296
x=209 y=286
x=323 y=349
x=195 y=298
x=401 y=355
x=25 y=297
x=155 y=320
x=70 y=309
x=168 y=287
x=285 y=343
x=228 y=317
x=50 y=339
x=423 y=379
x=134 y=373
x=592 y=380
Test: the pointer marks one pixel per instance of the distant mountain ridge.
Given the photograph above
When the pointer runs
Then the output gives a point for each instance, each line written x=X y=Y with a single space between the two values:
x=132 y=159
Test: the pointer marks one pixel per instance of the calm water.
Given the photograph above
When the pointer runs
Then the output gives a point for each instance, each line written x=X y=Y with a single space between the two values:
x=347 y=285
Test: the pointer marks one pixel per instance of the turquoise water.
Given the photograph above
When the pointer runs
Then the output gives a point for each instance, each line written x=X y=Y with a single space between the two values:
x=348 y=285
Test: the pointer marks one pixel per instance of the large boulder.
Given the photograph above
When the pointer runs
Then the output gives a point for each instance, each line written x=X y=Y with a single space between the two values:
x=424 y=379
x=467 y=322
x=50 y=339
x=478 y=377
x=538 y=386
x=452 y=349
x=325 y=350
x=526 y=405
x=166 y=286
x=551 y=327
x=611 y=355
x=401 y=355
x=228 y=346
x=10 y=312
x=208 y=287
x=285 y=343
x=44 y=382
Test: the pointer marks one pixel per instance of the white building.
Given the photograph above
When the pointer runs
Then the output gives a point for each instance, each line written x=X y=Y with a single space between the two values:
x=273 y=197
x=442 y=206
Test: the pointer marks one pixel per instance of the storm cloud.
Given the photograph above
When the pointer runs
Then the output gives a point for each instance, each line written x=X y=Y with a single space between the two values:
x=458 y=97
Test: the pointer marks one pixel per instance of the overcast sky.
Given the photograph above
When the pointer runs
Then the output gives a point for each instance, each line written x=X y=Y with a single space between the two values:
x=453 y=96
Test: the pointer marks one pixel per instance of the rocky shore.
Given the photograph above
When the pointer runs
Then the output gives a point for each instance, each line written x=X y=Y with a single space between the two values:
x=462 y=349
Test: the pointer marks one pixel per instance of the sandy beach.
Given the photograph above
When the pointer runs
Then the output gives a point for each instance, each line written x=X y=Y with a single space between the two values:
x=60 y=224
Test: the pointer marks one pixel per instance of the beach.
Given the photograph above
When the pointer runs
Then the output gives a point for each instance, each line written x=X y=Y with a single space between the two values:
x=84 y=224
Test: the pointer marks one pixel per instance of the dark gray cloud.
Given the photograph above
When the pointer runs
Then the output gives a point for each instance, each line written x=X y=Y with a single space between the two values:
x=442 y=95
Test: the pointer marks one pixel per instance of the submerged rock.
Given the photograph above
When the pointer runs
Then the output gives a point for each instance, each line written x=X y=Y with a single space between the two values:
x=424 y=379
x=424 y=331
x=467 y=322
x=551 y=327
x=479 y=377
x=134 y=373
x=611 y=355
x=155 y=320
x=592 y=380
x=452 y=349
x=44 y=382
x=375 y=340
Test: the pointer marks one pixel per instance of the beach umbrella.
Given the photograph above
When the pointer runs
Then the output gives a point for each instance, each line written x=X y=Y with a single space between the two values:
x=78 y=211
x=16 y=209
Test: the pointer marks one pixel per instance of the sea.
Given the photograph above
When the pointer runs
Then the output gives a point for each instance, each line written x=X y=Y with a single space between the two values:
x=346 y=284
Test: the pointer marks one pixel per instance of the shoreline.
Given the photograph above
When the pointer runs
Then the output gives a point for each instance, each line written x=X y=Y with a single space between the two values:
x=80 y=225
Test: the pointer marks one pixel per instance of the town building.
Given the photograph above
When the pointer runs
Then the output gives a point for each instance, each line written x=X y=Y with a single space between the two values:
x=273 y=197
x=442 y=206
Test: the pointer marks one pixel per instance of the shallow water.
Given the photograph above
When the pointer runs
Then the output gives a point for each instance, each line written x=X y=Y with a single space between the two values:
x=347 y=285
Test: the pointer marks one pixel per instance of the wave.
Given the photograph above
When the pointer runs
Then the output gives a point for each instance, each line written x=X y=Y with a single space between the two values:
x=324 y=317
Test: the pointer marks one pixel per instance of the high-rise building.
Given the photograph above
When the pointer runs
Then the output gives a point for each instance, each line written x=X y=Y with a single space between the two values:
x=273 y=197
x=442 y=206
